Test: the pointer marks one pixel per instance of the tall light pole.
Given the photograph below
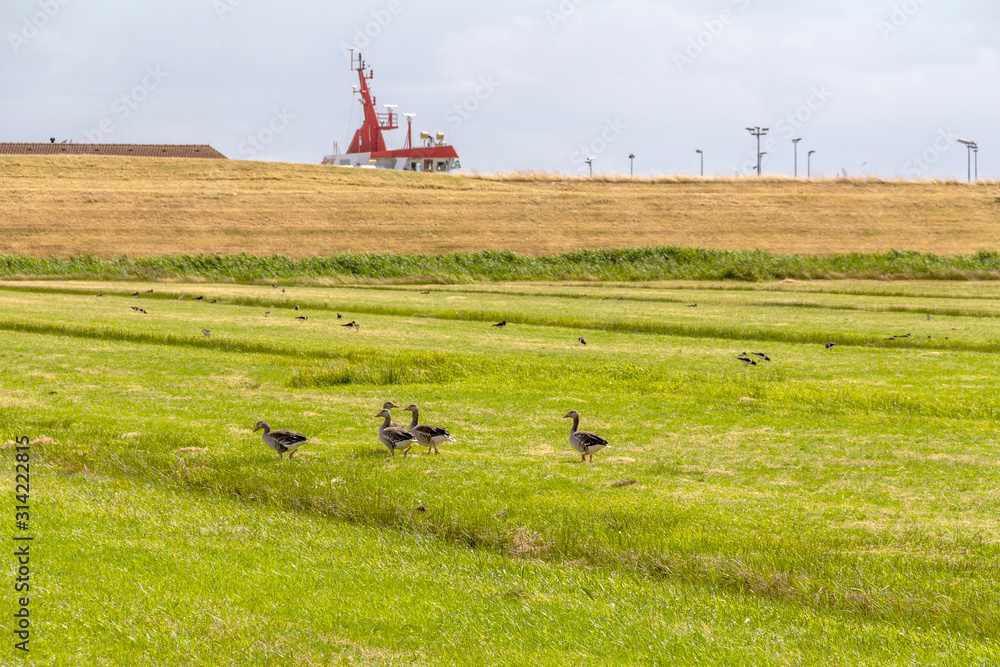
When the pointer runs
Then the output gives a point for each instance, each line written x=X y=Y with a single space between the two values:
x=795 y=142
x=702 y=154
x=975 y=153
x=970 y=147
x=590 y=163
x=631 y=164
x=758 y=131
x=809 y=164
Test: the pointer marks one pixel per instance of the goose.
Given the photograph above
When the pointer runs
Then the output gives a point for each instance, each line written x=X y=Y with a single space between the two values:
x=389 y=405
x=585 y=442
x=428 y=436
x=394 y=437
x=281 y=440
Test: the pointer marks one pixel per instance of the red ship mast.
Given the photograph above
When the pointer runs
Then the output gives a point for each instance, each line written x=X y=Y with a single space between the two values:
x=368 y=138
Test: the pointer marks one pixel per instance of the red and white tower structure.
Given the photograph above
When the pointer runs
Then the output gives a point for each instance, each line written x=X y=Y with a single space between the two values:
x=368 y=148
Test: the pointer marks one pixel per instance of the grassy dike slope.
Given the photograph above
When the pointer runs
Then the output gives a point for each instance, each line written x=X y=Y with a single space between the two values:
x=62 y=206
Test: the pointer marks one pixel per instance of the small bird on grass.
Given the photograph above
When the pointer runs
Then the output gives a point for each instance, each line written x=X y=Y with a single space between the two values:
x=206 y=332
x=585 y=442
x=501 y=324
x=302 y=318
x=135 y=294
x=281 y=440
x=296 y=307
x=746 y=360
x=149 y=291
x=428 y=436
x=135 y=308
x=267 y=314
x=339 y=316
x=760 y=355
x=830 y=346
x=583 y=341
x=394 y=437
x=352 y=325
x=143 y=311
x=198 y=298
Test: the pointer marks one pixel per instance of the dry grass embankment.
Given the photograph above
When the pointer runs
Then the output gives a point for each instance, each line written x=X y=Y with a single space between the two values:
x=62 y=206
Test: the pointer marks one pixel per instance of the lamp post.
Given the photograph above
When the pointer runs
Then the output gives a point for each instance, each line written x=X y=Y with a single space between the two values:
x=809 y=166
x=702 y=154
x=971 y=147
x=590 y=163
x=975 y=153
x=758 y=131
x=631 y=164
x=795 y=142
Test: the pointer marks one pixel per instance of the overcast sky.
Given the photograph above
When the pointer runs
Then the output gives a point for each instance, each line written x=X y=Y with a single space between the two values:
x=878 y=86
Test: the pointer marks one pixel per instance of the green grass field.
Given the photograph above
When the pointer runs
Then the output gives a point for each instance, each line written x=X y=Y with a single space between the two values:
x=832 y=506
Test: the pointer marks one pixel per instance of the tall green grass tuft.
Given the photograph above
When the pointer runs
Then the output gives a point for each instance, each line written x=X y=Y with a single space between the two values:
x=624 y=264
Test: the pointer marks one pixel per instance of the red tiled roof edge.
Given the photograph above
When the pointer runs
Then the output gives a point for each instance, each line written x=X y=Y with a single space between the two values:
x=121 y=150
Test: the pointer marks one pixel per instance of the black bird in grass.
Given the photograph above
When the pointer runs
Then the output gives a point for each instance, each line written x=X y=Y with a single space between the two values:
x=352 y=325
x=761 y=356
x=427 y=292
x=747 y=360
x=302 y=318
x=198 y=298
x=893 y=338
x=583 y=341
x=501 y=324
x=149 y=291
x=214 y=301
x=296 y=307
x=135 y=294
x=831 y=345
x=693 y=305
x=135 y=308
x=339 y=316
x=143 y=311
x=274 y=286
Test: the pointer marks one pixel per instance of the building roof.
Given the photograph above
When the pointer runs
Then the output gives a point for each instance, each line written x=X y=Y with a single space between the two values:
x=121 y=150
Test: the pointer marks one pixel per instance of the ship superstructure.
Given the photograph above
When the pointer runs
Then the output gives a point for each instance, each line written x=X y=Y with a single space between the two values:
x=368 y=148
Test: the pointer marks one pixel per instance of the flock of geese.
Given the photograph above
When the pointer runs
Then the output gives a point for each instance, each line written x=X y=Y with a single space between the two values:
x=395 y=437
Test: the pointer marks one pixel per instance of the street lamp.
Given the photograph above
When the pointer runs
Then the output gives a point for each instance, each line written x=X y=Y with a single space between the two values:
x=702 y=154
x=590 y=163
x=971 y=147
x=795 y=142
x=631 y=164
x=758 y=131
x=809 y=164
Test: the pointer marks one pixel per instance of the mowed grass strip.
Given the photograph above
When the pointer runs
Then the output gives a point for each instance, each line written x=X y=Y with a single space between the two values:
x=846 y=484
x=159 y=575
x=746 y=317
x=73 y=205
